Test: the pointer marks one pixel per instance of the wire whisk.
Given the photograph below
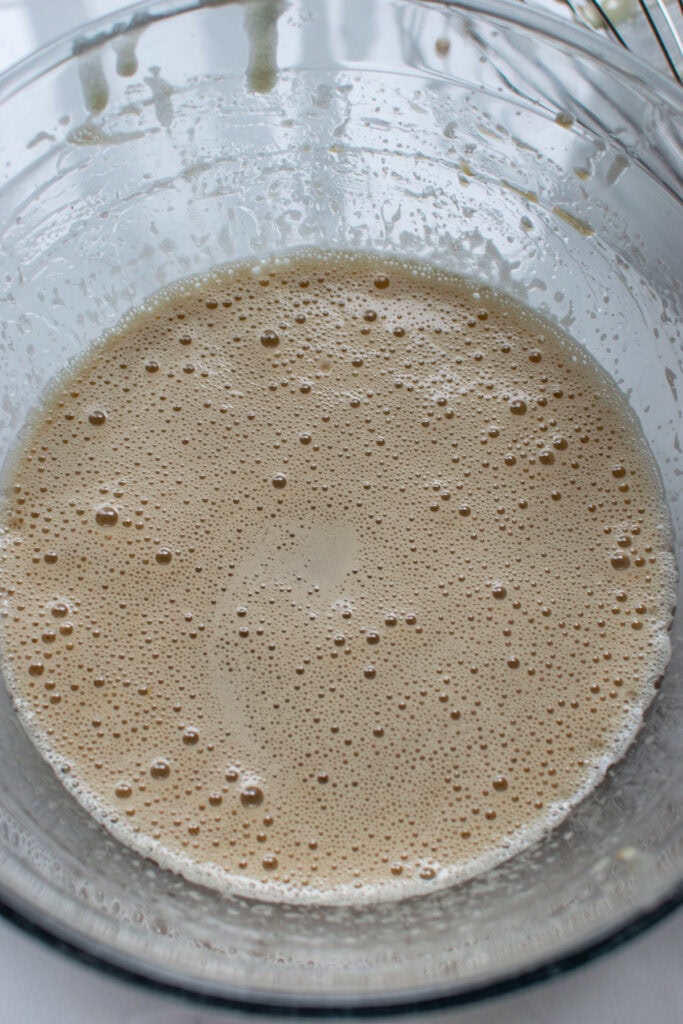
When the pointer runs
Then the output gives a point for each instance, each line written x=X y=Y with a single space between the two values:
x=664 y=25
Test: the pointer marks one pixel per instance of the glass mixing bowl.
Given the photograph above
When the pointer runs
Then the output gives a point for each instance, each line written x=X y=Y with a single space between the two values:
x=483 y=136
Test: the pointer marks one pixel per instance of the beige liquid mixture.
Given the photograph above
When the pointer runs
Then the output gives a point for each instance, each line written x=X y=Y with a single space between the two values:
x=333 y=578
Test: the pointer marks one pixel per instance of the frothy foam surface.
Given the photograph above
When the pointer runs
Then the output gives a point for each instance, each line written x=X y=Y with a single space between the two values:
x=333 y=578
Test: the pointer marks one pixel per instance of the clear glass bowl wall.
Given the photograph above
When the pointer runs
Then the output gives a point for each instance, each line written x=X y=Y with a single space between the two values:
x=482 y=137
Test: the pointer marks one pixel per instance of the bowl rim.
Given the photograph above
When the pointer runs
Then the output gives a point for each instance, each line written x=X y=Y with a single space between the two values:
x=105 y=28
x=57 y=934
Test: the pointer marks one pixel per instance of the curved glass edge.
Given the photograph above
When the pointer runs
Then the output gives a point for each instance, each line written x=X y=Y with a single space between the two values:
x=400 y=1005
x=92 y=34
x=514 y=12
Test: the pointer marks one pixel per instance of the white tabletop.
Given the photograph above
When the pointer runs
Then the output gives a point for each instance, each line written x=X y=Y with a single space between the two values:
x=640 y=982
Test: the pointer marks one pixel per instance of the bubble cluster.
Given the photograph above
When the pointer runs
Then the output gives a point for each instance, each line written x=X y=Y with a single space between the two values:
x=333 y=576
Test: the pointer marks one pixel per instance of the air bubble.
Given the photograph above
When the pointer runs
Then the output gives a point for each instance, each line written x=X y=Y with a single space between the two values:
x=620 y=560
x=251 y=795
x=106 y=516
x=160 y=769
